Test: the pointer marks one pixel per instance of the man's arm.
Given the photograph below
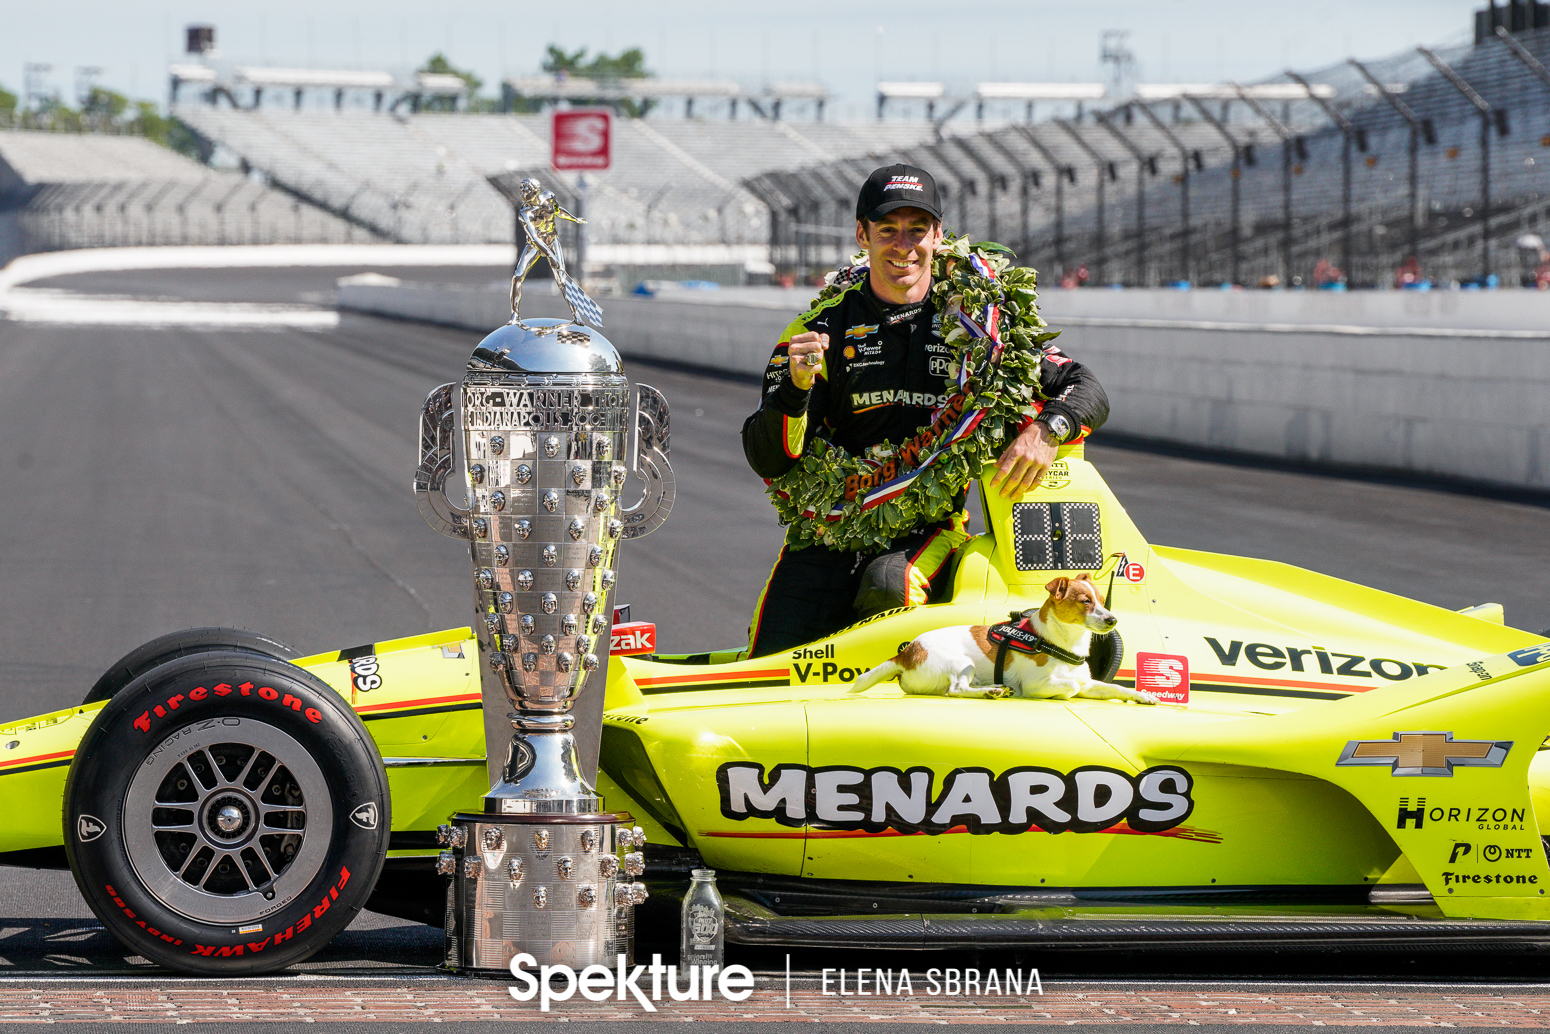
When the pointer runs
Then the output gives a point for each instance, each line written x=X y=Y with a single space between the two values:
x=561 y=213
x=774 y=437
x=1075 y=403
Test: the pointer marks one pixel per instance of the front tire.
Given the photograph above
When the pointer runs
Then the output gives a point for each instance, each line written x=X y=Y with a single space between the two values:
x=226 y=814
x=173 y=645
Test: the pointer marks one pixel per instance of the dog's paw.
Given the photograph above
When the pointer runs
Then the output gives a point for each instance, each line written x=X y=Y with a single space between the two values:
x=1147 y=698
x=997 y=692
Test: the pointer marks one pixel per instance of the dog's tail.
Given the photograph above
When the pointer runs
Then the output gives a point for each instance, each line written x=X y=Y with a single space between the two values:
x=884 y=671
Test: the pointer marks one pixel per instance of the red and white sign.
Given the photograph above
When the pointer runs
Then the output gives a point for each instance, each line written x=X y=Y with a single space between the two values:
x=1129 y=570
x=634 y=637
x=581 y=139
x=1166 y=675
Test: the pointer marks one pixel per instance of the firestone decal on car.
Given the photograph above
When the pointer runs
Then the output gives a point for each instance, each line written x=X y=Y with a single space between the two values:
x=221 y=689
x=1085 y=800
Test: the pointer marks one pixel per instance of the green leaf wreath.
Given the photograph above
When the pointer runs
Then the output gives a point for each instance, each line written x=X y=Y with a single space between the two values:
x=805 y=495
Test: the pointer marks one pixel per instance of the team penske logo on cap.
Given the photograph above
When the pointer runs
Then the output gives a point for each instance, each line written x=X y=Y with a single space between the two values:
x=861 y=330
x=903 y=183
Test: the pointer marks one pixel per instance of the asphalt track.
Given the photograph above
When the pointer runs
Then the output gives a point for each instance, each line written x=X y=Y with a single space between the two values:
x=159 y=478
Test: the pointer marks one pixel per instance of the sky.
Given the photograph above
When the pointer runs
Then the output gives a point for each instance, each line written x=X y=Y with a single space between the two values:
x=846 y=44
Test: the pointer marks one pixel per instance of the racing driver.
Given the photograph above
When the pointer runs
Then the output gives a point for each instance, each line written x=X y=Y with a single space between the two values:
x=868 y=366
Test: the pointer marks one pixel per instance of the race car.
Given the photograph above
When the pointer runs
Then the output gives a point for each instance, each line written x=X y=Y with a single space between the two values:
x=1327 y=763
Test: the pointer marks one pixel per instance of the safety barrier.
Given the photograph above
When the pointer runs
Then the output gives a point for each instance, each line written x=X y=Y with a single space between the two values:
x=1446 y=384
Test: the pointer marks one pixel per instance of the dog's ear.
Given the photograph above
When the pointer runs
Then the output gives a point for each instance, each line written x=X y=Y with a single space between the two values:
x=1059 y=588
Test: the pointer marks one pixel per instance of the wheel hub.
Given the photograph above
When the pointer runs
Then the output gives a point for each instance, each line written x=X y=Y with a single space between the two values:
x=227 y=822
x=229 y=817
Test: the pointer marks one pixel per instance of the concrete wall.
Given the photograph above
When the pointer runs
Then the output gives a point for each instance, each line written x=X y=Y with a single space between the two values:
x=1454 y=384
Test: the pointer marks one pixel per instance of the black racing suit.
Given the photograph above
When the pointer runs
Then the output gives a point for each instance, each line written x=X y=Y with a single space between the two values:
x=884 y=372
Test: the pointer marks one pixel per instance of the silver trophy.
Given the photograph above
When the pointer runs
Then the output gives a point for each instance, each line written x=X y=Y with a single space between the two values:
x=541 y=420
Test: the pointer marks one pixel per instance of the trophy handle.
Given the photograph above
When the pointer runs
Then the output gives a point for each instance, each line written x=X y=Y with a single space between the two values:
x=430 y=477
x=649 y=460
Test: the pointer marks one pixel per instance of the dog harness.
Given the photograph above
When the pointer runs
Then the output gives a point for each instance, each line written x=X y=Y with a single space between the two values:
x=1020 y=637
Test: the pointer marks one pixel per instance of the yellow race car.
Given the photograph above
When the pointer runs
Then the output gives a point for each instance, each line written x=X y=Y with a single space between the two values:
x=1328 y=762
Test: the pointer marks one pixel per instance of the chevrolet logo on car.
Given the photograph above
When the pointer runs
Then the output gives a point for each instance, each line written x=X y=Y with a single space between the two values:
x=1425 y=753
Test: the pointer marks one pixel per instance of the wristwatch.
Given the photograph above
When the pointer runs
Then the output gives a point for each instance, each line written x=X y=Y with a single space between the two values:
x=1059 y=427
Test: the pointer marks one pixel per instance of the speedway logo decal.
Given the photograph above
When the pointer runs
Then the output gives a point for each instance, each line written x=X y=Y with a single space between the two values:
x=1425 y=753
x=1089 y=799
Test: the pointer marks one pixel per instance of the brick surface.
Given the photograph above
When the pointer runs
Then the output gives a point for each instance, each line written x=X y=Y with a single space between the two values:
x=294 y=1001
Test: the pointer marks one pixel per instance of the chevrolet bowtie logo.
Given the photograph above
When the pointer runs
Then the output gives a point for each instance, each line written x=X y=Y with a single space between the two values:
x=1425 y=753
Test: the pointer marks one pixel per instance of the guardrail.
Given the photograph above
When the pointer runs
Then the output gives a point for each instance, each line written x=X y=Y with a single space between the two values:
x=1450 y=385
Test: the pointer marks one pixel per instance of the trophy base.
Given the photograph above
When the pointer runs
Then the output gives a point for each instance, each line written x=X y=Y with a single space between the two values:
x=558 y=887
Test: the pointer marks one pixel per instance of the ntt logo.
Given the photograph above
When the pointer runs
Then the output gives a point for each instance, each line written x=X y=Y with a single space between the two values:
x=599 y=983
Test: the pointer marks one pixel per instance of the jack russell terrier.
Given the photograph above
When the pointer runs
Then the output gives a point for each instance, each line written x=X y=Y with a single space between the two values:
x=1044 y=654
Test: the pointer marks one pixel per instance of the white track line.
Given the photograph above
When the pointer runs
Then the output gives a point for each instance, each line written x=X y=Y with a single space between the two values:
x=238 y=256
x=58 y=307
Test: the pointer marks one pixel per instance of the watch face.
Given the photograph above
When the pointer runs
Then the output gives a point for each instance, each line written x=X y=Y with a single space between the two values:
x=1059 y=426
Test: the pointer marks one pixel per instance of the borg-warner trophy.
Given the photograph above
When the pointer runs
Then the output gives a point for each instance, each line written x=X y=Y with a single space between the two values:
x=541 y=419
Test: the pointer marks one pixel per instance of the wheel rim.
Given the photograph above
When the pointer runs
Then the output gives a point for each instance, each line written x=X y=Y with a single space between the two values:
x=227 y=820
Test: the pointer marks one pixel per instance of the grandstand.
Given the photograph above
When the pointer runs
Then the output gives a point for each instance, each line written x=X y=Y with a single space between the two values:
x=424 y=178
x=1288 y=180
x=1146 y=192
x=67 y=190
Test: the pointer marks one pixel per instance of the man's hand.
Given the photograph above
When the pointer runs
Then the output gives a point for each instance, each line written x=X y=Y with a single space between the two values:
x=1024 y=462
x=806 y=352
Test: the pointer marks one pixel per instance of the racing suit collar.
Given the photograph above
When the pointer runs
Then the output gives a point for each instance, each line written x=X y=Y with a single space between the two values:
x=886 y=310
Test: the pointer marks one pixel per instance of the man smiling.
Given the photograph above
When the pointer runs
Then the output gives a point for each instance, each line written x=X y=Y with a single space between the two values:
x=867 y=366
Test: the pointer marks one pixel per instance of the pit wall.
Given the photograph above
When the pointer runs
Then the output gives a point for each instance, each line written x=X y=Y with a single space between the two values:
x=1454 y=384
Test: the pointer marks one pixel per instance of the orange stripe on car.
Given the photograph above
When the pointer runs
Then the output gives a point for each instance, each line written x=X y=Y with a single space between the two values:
x=398 y=705
x=1205 y=681
x=15 y=762
x=736 y=676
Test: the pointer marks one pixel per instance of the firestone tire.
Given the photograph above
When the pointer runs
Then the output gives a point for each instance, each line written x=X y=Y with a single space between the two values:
x=226 y=814
x=173 y=645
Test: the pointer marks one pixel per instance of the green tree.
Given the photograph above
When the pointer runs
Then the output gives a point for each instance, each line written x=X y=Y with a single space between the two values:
x=104 y=105
x=169 y=132
x=437 y=64
x=627 y=64
x=7 y=102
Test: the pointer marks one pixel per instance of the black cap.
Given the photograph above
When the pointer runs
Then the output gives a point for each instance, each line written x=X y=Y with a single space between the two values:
x=898 y=186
